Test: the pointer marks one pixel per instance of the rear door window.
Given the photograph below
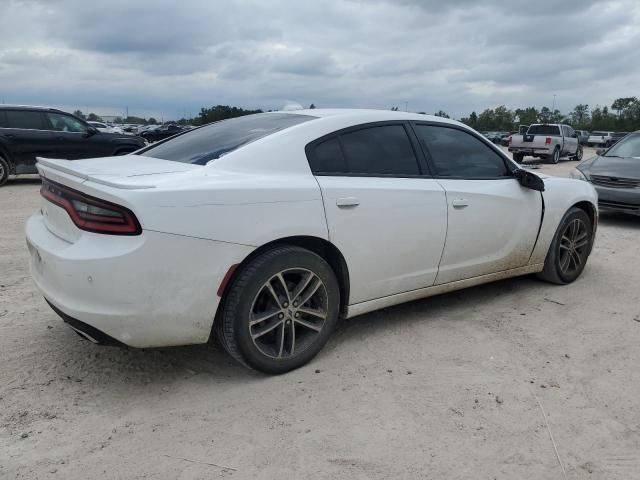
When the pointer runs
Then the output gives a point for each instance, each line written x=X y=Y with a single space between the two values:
x=25 y=119
x=327 y=158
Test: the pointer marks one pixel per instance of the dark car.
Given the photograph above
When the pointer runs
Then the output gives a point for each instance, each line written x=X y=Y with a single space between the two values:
x=615 y=173
x=583 y=136
x=161 y=132
x=30 y=132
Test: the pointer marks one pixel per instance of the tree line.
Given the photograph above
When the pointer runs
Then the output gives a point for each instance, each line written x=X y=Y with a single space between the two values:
x=623 y=115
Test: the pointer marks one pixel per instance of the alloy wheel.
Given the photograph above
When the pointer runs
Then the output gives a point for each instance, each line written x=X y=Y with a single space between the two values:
x=288 y=313
x=573 y=247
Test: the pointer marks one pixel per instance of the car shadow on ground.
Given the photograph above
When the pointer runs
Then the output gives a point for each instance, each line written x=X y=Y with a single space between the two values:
x=615 y=219
x=112 y=370
x=23 y=180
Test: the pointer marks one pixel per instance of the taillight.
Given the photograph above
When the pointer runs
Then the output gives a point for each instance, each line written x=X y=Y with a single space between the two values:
x=90 y=213
x=509 y=140
x=547 y=141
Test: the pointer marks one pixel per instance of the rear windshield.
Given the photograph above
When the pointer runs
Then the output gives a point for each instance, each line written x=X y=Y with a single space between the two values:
x=210 y=142
x=544 y=130
x=600 y=134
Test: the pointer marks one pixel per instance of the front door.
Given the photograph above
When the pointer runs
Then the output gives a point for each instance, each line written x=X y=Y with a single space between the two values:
x=493 y=221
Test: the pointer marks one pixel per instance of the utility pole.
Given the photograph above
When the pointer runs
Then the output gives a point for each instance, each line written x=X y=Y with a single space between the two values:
x=406 y=106
x=553 y=109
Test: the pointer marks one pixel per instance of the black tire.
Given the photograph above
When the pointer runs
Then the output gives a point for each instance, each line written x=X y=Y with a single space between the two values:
x=4 y=171
x=578 y=156
x=554 y=157
x=243 y=296
x=518 y=157
x=558 y=252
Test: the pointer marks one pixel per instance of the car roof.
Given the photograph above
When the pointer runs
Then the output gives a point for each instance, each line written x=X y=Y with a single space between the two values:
x=29 y=107
x=362 y=115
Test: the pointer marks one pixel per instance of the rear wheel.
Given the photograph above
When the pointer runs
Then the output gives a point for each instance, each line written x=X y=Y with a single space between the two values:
x=280 y=310
x=555 y=156
x=518 y=157
x=570 y=248
x=4 y=171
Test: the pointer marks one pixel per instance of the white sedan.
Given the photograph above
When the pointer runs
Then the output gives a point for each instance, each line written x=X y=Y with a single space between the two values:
x=267 y=229
x=104 y=128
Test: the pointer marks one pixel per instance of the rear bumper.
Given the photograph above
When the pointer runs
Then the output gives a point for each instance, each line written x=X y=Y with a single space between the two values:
x=151 y=290
x=531 y=150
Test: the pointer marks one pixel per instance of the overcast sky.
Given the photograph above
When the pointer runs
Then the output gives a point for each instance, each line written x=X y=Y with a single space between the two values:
x=165 y=58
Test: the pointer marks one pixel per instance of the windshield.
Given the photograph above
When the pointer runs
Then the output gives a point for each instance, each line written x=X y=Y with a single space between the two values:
x=543 y=130
x=210 y=142
x=627 y=147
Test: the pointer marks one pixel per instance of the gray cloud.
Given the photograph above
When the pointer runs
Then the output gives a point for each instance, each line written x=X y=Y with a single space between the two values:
x=166 y=58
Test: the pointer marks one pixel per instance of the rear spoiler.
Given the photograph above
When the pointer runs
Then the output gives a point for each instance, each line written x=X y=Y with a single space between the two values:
x=66 y=166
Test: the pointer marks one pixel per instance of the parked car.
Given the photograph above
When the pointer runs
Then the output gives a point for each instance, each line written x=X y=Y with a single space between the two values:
x=30 y=132
x=615 y=173
x=161 y=132
x=505 y=138
x=602 y=139
x=493 y=137
x=583 y=136
x=617 y=136
x=548 y=141
x=266 y=229
x=104 y=128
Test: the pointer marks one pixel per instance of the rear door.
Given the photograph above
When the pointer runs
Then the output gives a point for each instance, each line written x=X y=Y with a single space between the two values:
x=25 y=137
x=493 y=221
x=570 y=140
x=384 y=212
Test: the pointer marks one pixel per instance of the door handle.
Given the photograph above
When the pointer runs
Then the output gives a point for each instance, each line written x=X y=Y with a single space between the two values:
x=347 y=202
x=460 y=203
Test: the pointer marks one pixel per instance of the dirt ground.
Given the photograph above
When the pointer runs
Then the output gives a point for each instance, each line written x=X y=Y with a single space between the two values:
x=485 y=383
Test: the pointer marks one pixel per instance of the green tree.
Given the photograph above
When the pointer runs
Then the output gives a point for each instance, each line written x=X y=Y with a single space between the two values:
x=441 y=113
x=92 y=117
x=312 y=106
x=79 y=114
x=580 y=116
x=527 y=116
x=152 y=121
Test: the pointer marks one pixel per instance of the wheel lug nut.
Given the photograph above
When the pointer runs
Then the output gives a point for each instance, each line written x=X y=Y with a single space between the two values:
x=295 y=304
x=288 y=322
x=281 y=316
x=297 y=315
x=285 y=304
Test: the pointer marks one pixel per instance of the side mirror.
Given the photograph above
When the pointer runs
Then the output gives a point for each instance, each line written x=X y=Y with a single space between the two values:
x=529 y=180
x=91 y=131
x=600 y=151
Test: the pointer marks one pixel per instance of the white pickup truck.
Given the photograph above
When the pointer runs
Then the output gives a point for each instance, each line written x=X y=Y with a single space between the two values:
x=548 y=141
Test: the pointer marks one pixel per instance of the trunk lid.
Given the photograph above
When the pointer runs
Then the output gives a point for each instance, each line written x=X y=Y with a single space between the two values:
x=126 y=172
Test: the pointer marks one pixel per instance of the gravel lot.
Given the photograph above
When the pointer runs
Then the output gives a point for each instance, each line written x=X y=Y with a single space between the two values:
x=450 y=387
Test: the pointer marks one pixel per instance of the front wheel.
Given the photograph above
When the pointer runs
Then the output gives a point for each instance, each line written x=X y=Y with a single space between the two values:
x=570 y=248
x=280 y=310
